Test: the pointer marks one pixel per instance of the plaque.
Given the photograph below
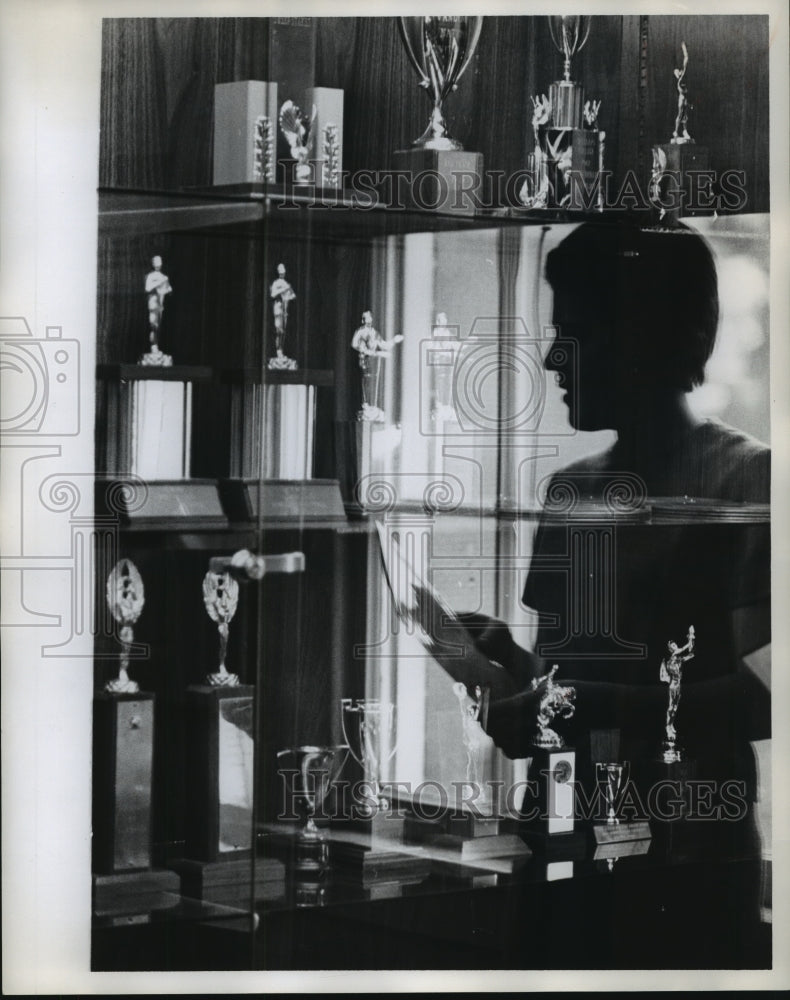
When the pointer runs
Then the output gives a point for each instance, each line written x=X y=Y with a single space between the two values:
x=328 y=152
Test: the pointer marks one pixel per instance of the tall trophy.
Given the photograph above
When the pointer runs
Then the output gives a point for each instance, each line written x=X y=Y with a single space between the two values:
x=220 y=756
x=282 y=295
x=440 y=49
x=565 y=169
x=123 y=751
x=369 y=729
x=679 y=183
x=671 y=674
x=157 y=287
x=553 y=766
x=312 y=771
x=372 y=350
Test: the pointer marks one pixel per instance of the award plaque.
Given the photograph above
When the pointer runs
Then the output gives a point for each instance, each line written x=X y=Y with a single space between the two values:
x=441 y=175
x=123 y=751
x=680 y=183
x=564 y=171
x=245 y=139
x=328 y=154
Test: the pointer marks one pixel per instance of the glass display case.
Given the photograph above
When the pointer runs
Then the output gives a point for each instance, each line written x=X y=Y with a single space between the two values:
x=295 y=376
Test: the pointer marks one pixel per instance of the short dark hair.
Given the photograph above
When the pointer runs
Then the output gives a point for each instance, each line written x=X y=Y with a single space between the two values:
x=657 y=287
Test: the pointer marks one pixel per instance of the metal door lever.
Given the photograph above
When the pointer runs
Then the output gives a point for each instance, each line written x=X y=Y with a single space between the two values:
x=245 y=565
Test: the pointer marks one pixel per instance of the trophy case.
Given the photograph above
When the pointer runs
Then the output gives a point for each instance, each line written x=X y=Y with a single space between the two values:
x=344 y=369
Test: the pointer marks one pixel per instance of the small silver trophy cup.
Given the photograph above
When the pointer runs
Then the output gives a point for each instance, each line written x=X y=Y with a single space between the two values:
x=671 y=673
x=610 y=776
x=314 y=769
x=125 y=599
x=221 y=598
x=369 y=728
x=440 y=50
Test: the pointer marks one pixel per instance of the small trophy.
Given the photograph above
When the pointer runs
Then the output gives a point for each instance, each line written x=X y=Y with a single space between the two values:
x=565 y=169
x=372 y=350
x=300 y=135
x=221 y=598
x=157 y=286
x=612 y=779
x=263 y=168
x=313 y=770
x=443 y=354
x=553 y=764
x=440 y=49
x=671 y=673
x=125 y=599
x=282 y=295
x=369 y=728
x=677 y=186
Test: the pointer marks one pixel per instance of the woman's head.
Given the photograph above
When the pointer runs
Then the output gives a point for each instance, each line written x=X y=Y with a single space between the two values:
x=642 y=305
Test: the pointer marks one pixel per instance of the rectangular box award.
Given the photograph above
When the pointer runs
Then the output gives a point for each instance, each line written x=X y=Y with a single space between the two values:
x=328 y=128
x=245 y=132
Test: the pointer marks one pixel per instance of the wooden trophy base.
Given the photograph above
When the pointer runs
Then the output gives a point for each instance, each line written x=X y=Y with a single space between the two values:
x=135 y=892
x=232 y=882
x=439 y=180
x=219 y=774
x=549 y=816
x=683 y=187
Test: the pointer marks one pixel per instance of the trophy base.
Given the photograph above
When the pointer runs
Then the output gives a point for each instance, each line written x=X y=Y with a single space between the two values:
x=617 y=833
x=219 y=773
x=612 y=852
x=551 y=812
x=134 y=892
x=156 y=359
x=566 y=173
x=123 y=746
x=440 y=180
x=678 y=186
x=281 y=364
x=233 y=881
x=571 y=846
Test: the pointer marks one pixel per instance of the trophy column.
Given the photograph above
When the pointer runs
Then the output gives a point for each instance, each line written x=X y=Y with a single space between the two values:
x=123 y=745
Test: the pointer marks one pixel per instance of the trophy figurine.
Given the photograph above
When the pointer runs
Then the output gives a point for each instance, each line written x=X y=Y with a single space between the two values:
x=368 y=728
x=125 y=599
x=372 y=350
x=474 y=736
x=313 y=770
x=553 y=764
x=299 y=133
x=440 y=49
x=282 y=295
x=671 y=673
x=221 y=598
x=157 y=286
x=673 y=189
x=569 y=144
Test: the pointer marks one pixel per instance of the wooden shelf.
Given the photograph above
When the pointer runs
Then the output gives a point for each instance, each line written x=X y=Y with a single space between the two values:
x=141 y=373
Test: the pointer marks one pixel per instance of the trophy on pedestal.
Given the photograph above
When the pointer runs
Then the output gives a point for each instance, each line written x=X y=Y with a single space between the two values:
x=313 y=770
x=123 y=750
x=282 y=295
x=678 y=183
x=440 y=49
x=612 y=778
x=221 y=745
x=372 y=350
x=564 y=171
x=671 y=673
x=553 y=765
x=369 y=729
